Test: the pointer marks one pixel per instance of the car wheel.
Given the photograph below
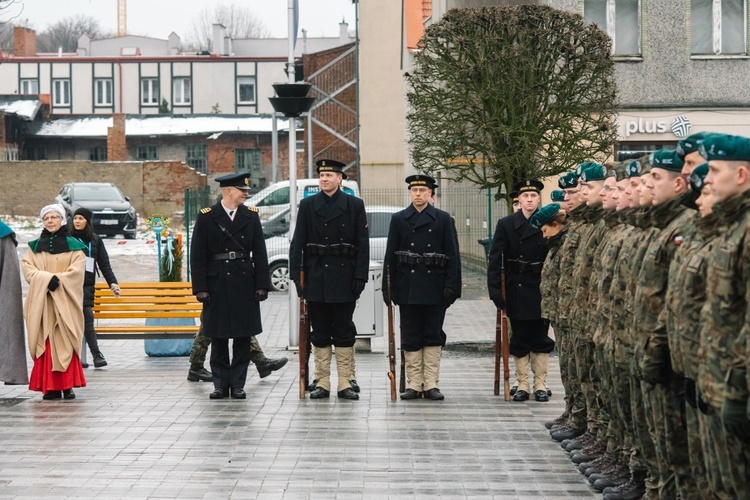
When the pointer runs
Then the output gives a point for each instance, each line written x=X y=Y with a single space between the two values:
x=129 y=236
x=280 y=276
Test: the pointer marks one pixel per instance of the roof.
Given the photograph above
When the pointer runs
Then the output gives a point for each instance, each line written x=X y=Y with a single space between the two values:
x=25 y=108
x=151 y=125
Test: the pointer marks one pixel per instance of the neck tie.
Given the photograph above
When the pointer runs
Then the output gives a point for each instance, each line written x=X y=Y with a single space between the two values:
x=231 y=214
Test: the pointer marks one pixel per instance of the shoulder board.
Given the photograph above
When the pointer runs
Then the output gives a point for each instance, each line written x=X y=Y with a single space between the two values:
x=205 y=210
x=253 y=209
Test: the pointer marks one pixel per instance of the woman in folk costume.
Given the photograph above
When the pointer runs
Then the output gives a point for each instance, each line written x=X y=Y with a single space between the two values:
x=54 y=267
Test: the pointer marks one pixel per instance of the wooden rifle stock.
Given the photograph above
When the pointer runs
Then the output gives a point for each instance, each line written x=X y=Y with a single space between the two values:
x=391 y=339
x=304 y=339
x=501 y=341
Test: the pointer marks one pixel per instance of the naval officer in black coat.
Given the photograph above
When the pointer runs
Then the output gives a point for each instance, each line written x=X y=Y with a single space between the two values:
x=332 y=242
x=423 y=261
x=523 y=249
x=230 y=276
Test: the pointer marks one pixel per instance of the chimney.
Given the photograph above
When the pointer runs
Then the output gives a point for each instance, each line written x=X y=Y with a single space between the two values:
x=219 y=32
x=343 y=31
x=116 y=150
x=24 y=42
x=174 y=44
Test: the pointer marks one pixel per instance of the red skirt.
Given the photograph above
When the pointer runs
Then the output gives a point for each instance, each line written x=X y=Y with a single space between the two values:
x=45 y=380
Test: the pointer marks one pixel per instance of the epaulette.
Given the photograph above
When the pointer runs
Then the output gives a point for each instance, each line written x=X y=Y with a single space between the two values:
x=253 y=209
x=205 y=210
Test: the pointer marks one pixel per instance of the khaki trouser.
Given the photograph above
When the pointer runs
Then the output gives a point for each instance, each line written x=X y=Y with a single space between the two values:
x=344 y=367
x=431 y=366
x=322 y=357
x=539 y=361
x=414 y=369
x=522 y=373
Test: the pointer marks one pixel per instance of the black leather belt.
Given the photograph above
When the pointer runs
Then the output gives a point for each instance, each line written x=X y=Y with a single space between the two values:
x=522 y=267
x=231 y=256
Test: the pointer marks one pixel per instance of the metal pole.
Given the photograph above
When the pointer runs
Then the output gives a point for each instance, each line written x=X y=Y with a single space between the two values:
x=274 y=148
x=309 y=145
x=293 y=323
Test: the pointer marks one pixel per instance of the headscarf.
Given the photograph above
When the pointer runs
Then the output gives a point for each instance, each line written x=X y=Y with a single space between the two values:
x=55 y=207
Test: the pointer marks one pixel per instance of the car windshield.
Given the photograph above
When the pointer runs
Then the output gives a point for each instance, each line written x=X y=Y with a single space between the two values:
x=97 y=193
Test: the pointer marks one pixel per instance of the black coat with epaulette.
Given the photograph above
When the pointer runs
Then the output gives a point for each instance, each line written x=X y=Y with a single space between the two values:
x=430 y=231
x=515 y=239
x=329 y=278
x=233 y=311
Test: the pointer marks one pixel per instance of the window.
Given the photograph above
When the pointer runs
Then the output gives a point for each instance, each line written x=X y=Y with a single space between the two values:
x=196 y=157
x=61 y=92
x=30 y=86
x=632 y=150
x=103 y=92
x=247 y=160
x=36 y=153
x=717 y=27
x=378 y=224
x=150 y=91
x=98 y=153
x=246 y=90
x=620 y=19
x=181 y=91
x=147 y=152
x=300 y=145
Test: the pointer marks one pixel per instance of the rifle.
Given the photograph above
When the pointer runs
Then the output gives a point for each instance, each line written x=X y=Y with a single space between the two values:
x=391 y=338
x=501 y=340
x=304 y=338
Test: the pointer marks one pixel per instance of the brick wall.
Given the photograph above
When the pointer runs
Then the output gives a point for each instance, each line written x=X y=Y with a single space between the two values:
x=153 y=187
x=24 y=42
x=116 y=147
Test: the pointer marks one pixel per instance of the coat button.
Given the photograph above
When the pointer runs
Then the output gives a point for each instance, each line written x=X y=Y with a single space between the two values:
x=429 y=230
x=412 y=244
x=428 y=245
x=412 y=270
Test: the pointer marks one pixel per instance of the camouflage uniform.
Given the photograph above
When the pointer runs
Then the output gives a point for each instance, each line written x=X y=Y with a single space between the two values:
x=662 y=392
x=201 y=343
x=724 y=336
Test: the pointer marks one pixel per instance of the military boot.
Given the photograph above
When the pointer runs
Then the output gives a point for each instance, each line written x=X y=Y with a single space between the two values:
x=322 y=357
x=414 y=374
x=431 y=356
x=559 y=421
x=199 y=374
x=539 y=362
x=632 y=490
x=99 y=360
x=344 y=358
x=264 y=365
x=522 y=375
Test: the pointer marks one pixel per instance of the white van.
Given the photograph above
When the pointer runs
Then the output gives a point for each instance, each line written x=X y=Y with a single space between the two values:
x=275 y=197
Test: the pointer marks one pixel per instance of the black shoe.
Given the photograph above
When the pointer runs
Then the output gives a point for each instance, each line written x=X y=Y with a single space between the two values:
x=320 y=393
x=84 y=365
x=199 y=374
x=410 y=394
x=513 y=390
x=355 y=385
x=99 y=360
x=69 y=394
x=347 y=393
x=53 y=395
x=541 y=395
x=219 y=394
x=587 y=454
x=632 y=490
x=434 y=394
x=268 y=366
x=566 y=432
x=521 y=396
x=238 y=393
x=578 y=443
x=608 y=482
x=561 y=420
x=312 y=385
x=549 y=392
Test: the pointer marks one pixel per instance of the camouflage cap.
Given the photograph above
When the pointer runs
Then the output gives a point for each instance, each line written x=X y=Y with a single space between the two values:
x=594 y=172
x=690 y=143
x=557 y=195
x=725 y=147
x=617 y=170
x=544 y=215
x=569 y=180
x=668 y=159
x=698 y=177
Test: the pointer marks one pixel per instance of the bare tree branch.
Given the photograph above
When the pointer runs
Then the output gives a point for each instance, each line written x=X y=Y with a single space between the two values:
x=66 y=32
x=239 y=21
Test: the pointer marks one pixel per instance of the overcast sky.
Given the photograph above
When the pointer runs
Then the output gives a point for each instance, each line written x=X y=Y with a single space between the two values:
x=158 y=18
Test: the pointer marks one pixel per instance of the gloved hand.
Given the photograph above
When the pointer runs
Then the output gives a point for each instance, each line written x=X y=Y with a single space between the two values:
x=385 y=297
x=203 y=297
x=261 y=295
x=53 y=284
x=734 y=418
x=499 y=302
x=449 y=297
x=300 y=292
x=690 y=395
x=358 y=287
x=115 y=289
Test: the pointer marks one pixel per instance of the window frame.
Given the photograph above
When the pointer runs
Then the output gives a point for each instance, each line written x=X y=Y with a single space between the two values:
x=151 y=152
x=56 y=101
x=198 y=162
x=33 y=152
x=26 y=82
x=105 y=82
x=716 y=32
x=150 y=88
x=186 y=91
x=243 y=160
x=255 y=89
x=98 y=153
x=611 y=28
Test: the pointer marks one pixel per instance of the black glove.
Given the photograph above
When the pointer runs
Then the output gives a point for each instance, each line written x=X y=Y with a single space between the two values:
x=690 y=395
x=449 y=297
x=499 y=302
x=203 y=297
x=734 y=418
x=385 y=297
x=358 y=287
x=300 y=292
x=261 y=295
x=53 y=284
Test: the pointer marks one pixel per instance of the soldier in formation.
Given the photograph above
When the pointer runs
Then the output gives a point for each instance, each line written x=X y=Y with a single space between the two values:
x=656 y=324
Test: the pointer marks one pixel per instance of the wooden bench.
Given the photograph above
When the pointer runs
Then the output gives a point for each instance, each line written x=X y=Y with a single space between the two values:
x=141 y=301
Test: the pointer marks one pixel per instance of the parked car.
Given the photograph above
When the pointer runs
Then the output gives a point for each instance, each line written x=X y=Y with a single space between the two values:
x=275 y=198
x=277 y=247
x=113 y=213
x=277 y=224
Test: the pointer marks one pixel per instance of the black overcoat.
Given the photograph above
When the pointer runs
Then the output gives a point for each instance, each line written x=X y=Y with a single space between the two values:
x=429 y=231
x=329 y=278
x=515 y=239
x=233 y=311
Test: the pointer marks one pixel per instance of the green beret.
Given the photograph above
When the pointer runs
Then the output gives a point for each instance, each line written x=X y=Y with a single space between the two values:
x=668 y=159
x=690 y=143
x=579 y=169
x=569 y=180
x=633 y=168
x=543 y=215
x=557 y=195
x=725 y=147
x=698 y=177
x=594 y=172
